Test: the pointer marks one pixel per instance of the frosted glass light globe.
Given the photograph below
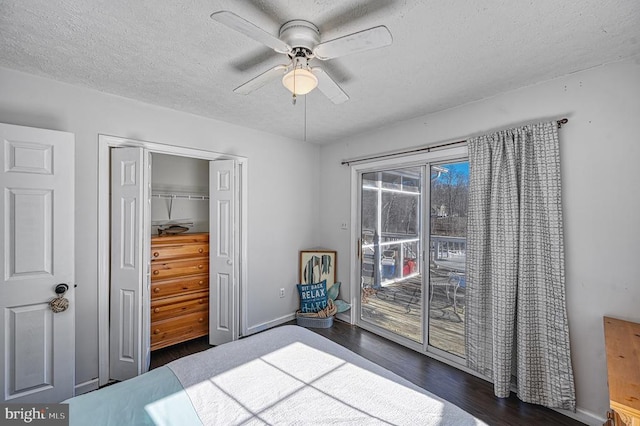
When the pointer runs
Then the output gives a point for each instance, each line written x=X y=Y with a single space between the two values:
x=301 y=79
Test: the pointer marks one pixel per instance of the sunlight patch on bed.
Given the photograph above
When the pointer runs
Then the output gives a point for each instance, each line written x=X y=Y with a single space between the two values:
x=289 y=375
x=306 y=384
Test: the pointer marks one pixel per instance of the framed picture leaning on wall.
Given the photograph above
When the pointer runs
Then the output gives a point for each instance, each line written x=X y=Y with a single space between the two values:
x=318 y=265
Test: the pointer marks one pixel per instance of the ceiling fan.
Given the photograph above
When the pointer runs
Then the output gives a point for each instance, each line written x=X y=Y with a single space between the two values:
x=300 y=41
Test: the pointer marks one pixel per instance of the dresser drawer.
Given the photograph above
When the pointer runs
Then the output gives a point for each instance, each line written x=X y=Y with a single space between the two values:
x=176 y=251
x=186 y=238
x=185 y=327
x=176 y=306
x=177 y=268
x=179 y=288
x=176 y=286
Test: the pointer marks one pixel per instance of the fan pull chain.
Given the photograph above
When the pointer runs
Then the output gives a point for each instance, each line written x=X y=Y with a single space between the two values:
x=293 y=99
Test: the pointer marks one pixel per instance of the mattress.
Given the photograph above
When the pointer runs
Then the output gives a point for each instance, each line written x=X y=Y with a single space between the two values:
x=286 y=375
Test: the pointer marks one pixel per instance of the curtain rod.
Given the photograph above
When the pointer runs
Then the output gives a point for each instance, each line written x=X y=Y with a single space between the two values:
x=424 y=149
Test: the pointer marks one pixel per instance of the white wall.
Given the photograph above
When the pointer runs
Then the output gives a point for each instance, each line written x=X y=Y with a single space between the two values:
x=600 y=156
x=280 y=207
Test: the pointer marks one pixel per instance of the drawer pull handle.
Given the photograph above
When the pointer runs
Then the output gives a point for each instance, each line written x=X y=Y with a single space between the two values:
x=156 y=272
x=156 y=331
x=201 y=282
x=200 y=319
x=200 y=300
x=156 y=254
x=200 y=266
x=200 y=250
x=156 y=290
x=156 y=310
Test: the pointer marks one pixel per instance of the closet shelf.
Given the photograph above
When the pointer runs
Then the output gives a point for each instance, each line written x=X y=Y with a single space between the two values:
x=173 y=196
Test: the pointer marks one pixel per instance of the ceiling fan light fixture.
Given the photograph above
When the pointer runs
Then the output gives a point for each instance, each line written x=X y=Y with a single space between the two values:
x=300 y=81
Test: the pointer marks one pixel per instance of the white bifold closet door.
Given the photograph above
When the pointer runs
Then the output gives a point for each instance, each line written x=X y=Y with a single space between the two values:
x=129 y=344
x=223 y=291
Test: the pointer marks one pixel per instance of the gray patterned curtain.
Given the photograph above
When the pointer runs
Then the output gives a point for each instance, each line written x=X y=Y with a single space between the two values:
x=516 y=315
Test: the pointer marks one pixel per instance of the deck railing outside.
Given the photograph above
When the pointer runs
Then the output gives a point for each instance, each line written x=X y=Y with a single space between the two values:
x=445 y=247
x=400 y=259
x=395 y=302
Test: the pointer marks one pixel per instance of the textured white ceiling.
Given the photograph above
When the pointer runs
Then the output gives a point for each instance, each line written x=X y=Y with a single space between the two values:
x=444 y=53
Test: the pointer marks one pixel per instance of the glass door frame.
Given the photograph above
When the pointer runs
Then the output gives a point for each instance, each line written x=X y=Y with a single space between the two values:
x=424 y=160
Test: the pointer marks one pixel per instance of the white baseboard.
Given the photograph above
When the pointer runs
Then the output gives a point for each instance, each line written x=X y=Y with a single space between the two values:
x=583 y=416
x=286 y=318
x=270 y=324
x=345 y=317
x=85 y=387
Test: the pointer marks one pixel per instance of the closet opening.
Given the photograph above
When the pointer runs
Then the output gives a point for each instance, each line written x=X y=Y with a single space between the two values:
x=179 y=296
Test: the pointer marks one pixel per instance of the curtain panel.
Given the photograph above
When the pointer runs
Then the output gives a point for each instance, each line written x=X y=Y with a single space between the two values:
x=516 y=311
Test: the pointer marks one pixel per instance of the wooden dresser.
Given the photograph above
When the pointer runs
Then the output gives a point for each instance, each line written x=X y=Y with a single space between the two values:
x=179 y=288
x=622 y=340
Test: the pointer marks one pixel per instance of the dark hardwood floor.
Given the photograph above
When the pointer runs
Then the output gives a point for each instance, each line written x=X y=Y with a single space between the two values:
x=164 y=356
x=468 y=392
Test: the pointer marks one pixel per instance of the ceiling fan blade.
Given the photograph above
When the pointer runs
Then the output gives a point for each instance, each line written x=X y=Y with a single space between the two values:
x=261 y=80
x=372 y=38
x=245 y=27
x=329 y=87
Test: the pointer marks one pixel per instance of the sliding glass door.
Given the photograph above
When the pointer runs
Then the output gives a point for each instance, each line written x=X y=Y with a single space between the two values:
x=391 y=240
x=449 y=190
x=413 y=253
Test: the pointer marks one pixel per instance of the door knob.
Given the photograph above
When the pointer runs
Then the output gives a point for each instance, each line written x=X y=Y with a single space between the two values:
x=59 y=303
x=229 y=262
x=61 y=288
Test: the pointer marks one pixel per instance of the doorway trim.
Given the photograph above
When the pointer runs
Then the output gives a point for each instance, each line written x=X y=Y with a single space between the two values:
x=105 y=143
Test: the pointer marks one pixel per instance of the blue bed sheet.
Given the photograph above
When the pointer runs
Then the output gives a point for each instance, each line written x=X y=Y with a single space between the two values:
x=154 y=398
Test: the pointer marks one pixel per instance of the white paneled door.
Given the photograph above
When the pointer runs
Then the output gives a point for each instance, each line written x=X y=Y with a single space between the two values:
x=130 y=233
x=37 y=360
x=223 y=291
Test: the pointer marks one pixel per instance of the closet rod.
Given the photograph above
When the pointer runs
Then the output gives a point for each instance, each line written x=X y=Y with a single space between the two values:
x=423 y=149
x=181 y=196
